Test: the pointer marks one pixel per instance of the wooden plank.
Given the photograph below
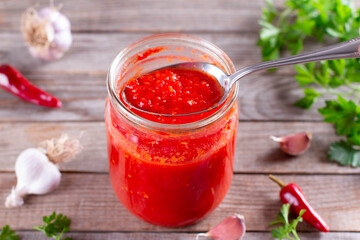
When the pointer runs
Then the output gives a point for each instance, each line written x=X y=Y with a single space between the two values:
x=80 y=83
x=262 y=97
x=186 y=236
x=94 y=52
x=83 y=97
x=89 y=201
x=15 y=138
x=255 y=152
x=144 y=15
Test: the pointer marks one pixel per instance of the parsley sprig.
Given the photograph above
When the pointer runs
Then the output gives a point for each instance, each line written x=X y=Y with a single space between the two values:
x=8 y=234
x=287 y=230
x=55 y=226
x=317 y=20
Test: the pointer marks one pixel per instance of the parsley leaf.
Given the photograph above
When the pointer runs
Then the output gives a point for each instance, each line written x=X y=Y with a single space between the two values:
x=310 y=97
x=344 y=154
x=288 y=230
x=305 y=74
x=344 y=114
x=55 y=226
x=8 y=234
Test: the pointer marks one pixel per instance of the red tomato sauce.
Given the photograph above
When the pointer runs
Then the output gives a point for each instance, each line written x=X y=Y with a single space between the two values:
x=173 y=91
x=171 y=179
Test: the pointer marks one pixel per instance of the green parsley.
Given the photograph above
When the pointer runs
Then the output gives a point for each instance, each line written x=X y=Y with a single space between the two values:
x=310 y=97
x=55 y=226
x=287 y=29
x=8 y=234
x=344 y=154
x=288 y=230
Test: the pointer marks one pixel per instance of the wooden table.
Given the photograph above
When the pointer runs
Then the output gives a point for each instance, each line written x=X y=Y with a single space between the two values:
x=101 y=28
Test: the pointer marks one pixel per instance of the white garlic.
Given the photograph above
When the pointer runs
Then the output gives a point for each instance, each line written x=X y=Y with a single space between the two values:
x=47 y=32
x=35 y=175
x=37 y=171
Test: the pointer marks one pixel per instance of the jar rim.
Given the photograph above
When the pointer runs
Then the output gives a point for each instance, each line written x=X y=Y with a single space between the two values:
x=120 y=107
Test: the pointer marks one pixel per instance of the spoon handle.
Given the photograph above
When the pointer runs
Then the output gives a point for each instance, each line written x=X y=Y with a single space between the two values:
x=347 y=49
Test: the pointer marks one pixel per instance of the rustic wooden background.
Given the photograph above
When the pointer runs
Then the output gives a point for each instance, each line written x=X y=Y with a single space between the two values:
x=101 y=28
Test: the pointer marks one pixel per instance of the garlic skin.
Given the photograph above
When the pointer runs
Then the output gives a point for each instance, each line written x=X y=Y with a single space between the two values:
x=294 y=144
x=35 y=175
x=232 y=228
x=47 y=32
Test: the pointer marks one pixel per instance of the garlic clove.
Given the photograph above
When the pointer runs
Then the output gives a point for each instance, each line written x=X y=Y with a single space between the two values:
x=49 y=13
x=48 y=55
x=50 y=33
x=294 y=144
x=36 y=168
x=232 y=228
x=35 y=175
x=58 y=20
x=63 y=40
x=62 y=23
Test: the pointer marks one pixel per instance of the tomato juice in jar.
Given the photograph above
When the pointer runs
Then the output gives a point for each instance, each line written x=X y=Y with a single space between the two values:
x=169 y=171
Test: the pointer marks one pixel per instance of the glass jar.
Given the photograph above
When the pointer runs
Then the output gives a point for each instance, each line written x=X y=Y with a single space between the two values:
x=169 y=174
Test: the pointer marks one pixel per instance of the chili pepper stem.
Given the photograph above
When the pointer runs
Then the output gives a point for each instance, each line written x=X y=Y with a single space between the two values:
x=280 y=183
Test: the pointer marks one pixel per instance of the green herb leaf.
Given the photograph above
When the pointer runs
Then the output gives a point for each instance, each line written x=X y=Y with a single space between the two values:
x=344 y=154
x=8 y=234
x=310 y=97
x=270 y=12
x=55 y=226
x=288 y=230
x=344 y=114
x=304 y=75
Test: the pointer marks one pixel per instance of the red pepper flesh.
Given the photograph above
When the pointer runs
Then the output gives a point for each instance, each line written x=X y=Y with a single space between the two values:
x=14 y=82
x=293 y=195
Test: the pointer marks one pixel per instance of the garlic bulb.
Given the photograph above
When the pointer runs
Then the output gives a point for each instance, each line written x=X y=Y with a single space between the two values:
x=37 y=171
x=47 y=32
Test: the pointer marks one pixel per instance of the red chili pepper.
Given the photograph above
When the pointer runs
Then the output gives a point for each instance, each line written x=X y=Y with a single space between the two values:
x=293 y=195
x=14 y=82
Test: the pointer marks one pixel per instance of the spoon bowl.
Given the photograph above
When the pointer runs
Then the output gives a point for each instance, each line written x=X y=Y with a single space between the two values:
x=343 y=50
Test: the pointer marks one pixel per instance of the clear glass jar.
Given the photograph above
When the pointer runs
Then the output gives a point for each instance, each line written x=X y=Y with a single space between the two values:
x=169 y=174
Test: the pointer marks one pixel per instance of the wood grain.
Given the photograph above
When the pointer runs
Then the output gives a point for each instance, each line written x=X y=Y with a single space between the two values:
x=101 y=28
x=255 y=152
x=89 y=201
x=143 y=15
x=83 y=97
x=94 y=52
x=262 y=97
x=185 y=236
x=79 y=79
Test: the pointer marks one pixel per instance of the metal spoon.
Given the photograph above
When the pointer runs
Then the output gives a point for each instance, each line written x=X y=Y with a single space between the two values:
x=347 y=49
